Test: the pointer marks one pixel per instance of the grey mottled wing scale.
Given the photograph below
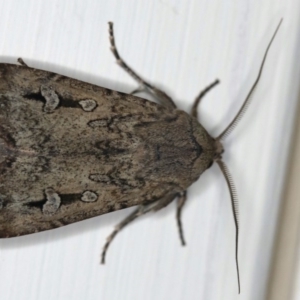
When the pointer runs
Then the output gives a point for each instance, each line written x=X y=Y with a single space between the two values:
x=70 y=150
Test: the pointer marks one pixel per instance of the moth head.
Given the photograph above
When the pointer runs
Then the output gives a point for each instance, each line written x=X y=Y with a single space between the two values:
x=219 y=149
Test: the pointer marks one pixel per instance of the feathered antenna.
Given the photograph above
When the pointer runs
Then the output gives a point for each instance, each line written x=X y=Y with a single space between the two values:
x=235 y=210
x=223 y=167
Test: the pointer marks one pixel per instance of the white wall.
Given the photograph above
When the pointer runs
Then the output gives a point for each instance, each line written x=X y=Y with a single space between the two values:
x=181 y=46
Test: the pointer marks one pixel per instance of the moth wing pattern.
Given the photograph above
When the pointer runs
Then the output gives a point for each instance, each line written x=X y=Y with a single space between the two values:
x=70 y=150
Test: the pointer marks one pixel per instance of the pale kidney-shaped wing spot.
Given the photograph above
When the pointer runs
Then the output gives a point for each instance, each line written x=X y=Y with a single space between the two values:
x=53 y=202
x=99 y=178
x=51 y=98
x=99 y=123
x=88 y=104
x=89 y=196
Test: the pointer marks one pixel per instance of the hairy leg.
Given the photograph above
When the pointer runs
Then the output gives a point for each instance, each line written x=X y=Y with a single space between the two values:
x=141 y=210
x=162 y=97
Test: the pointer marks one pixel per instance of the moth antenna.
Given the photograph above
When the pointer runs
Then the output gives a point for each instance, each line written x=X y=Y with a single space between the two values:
x=235 y=211
x=248 y=99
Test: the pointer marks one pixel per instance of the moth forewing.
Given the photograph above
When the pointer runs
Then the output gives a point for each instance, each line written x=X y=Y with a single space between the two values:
x=77 y=150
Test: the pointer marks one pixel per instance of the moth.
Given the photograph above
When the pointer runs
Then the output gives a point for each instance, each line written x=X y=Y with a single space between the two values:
x=70 y=150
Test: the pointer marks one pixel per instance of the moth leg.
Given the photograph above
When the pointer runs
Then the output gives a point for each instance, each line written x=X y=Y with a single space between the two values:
x=194 y=112
x=180 y=203
x=138 y=90
x=163 y=98
x=21 y=62
x=126 y=221
x=141 y=210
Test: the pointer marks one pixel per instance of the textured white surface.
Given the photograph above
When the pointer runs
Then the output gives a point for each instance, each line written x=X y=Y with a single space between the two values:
x=181 y=46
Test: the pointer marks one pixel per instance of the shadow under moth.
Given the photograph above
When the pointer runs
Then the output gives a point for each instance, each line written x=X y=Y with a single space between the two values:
x=70 y=150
